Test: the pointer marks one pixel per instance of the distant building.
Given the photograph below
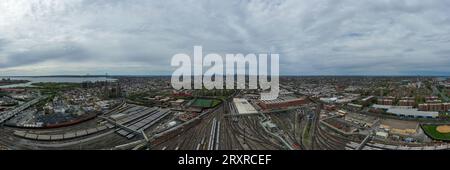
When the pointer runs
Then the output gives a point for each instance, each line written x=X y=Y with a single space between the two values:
x=329 y=100
x=405 y=82
x=243 y=106
x=48 y=109
x=187 y=116
x=360 y=119
x=434 y=106
x=368 y=99
x=178 y=102
x=447 y=86
x=181 y=94
x=382 y=134
x=407 y=102
x=281 y=103
x=433 y=101
x=354 y=106
x=407 y=111
x=12 y=90
x=330 y=107
x=431 y=98
x=388 y=100
x=341 y=112
x=385 y=102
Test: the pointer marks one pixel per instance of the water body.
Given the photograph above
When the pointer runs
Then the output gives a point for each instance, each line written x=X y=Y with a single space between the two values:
x=53 y=80
x=443 y=78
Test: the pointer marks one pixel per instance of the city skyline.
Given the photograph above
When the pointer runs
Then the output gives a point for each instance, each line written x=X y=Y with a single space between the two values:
x=224 y=84
x=137 y=37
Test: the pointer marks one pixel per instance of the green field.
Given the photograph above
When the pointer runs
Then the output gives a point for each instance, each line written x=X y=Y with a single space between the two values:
x=431 y=131
x=215 y=103
x=205 y=103
x=53 y=88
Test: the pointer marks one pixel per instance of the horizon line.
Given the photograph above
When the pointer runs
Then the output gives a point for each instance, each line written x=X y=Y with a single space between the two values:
x=286 y=75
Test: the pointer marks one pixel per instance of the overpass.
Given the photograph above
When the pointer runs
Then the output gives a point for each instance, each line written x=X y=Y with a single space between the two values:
x=121 y=126
x=4 y=116
x=369 y=136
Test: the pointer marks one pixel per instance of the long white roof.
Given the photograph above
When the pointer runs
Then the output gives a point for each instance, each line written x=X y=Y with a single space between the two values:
x=243 y=106
x=406 y=111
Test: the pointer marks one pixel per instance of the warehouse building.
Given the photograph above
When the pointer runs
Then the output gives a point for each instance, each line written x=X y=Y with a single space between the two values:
x=243 y=106
x=281 y=103
x=407 y=111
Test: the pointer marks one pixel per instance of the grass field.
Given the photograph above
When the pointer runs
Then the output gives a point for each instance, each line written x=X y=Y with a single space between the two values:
x=215 y=103
x=431 y=131
x=205 y=103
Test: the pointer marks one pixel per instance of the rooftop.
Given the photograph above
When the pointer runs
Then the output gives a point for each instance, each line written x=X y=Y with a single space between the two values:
x=243 y=106
x=407 y=111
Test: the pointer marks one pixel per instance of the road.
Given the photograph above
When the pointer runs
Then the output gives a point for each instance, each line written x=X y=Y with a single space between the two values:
x=4 y=116
x=437 y=92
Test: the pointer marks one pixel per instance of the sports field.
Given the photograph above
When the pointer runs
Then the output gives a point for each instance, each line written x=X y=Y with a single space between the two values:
x=437 y=132
x=202 y=103
x=205 y=103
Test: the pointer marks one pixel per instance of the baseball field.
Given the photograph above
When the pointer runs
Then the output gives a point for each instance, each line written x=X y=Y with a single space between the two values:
x=437 y=132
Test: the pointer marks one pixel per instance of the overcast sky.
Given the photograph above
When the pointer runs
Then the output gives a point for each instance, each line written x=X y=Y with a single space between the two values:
x=313 y=37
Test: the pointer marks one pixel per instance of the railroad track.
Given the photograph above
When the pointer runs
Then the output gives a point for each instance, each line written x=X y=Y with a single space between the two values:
x=254 y=137
x=330 y=141
x=231 y=136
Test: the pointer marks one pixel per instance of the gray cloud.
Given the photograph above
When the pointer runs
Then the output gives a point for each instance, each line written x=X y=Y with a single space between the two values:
x=3 y=43
x=140 y=37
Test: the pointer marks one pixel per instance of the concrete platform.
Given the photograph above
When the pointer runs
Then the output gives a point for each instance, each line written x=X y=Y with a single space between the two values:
x=31 y=136
x=57 y=137
x=69 y=135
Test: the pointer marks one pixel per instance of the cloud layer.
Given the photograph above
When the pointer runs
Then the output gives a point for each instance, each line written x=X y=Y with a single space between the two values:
x=394 y=37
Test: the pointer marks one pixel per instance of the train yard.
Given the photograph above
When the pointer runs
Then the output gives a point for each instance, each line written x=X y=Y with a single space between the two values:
x=129 y=123
x=81 y=118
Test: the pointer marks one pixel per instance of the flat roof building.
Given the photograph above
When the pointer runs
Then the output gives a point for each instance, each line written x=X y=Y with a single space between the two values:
x=407 y=111
x=282 y=102
x=368 y=98
x=243 y=106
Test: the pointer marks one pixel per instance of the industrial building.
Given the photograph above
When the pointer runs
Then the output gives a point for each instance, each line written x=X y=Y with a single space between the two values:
x=243 y=106
x=329 y=100
x=354 y=107
x=367 y=99
x=178 y=102
x=281 y=103
x=407 y=111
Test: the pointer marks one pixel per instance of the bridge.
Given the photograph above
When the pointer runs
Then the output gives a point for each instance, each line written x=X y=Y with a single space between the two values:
x=121 y=126
x=4 y=116
x=369 y=136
